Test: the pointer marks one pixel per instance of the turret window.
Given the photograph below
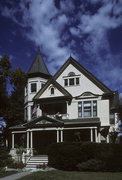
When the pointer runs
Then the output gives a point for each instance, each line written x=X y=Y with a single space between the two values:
x=33 y=87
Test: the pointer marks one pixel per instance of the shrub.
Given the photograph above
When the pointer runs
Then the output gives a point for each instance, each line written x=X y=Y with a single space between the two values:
x=5 y=158
x=66 y=156
x=41 y=166
x=17 y=165
x=92 y=165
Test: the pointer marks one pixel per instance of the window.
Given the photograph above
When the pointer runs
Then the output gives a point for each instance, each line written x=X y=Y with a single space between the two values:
x=87 y=109
x=66 y=82
x=33 y=87
x=52 y=90
x=77 y=81
x=43 y=85
x=94 y=108
x=71 y=81
x=71 y=74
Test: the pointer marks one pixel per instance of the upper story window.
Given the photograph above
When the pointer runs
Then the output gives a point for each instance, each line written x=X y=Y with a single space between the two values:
x=52 y=90
x=87 y=109
x=33 y=87
x=72 y=79
x=66 y=82
x=43 y=85
x=71 y=74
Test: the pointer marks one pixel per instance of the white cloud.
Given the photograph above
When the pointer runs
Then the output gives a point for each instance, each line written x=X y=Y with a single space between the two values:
x=56 y=30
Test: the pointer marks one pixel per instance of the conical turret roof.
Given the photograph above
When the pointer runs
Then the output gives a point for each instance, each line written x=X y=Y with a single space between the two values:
x=38 y=66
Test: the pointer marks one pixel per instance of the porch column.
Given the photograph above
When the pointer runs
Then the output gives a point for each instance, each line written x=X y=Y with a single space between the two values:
x=12 y=140
x=57 y=135
x=96 y=140
x=31 y=144
x=61 y=135
x=107 y=139
x=99 y=137
x=91 y=131
x=27 y=139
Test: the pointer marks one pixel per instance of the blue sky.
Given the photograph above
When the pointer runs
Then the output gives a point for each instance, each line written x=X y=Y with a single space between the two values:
x=89 y=30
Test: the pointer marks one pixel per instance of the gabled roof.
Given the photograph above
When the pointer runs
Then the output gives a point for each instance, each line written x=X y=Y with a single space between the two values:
x=38 y=66
x=57 y=85
x=44 y=121
x=86 y=73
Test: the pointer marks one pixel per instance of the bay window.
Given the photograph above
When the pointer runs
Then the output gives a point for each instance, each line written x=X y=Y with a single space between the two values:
x=87 y=109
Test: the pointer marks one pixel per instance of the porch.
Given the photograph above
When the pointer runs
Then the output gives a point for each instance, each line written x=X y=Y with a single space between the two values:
x=38 y=134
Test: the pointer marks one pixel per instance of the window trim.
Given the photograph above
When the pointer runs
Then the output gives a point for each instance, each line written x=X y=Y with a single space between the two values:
x=33 y=83
x=81 y=109
x=69 y=79
x=52 y=91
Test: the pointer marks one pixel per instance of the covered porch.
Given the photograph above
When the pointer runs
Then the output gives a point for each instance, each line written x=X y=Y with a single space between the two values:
x=43 y=131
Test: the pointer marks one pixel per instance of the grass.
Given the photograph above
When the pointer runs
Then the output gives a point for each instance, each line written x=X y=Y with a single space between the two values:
x=4 y=173
x=66 y=175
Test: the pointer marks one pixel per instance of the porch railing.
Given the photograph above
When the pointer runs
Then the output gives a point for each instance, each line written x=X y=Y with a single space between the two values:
x=60 y=116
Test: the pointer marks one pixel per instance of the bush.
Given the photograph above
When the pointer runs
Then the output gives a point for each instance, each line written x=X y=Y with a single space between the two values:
x=17 y=165
x=5 y=158
x=67 y=156
x=92 y=165
x=41 y=166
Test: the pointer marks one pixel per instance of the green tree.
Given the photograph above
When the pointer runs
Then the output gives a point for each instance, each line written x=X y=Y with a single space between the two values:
x=15 y=112
x=5 y=67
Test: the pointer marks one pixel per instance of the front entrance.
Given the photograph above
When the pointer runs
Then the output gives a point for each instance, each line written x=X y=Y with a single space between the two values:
x=41 y=141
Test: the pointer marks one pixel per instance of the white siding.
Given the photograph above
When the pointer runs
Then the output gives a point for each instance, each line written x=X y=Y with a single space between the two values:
x=47 y=92
x=85 y=83
x=39 y=82
x=72 y=110
x=103 y=112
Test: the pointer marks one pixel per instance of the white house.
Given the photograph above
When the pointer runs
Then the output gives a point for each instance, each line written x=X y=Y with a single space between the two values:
x=72 y=105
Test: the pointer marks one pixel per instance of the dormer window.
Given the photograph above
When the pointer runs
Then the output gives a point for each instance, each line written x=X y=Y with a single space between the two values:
x=33 y=87
x=72 y=79
x=52 y=90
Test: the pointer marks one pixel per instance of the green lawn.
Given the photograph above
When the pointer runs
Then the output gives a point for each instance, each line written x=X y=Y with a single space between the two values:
x=65 y=175
x=6 y=173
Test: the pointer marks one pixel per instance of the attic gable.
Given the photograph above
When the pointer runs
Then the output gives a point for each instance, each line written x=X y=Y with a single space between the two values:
x=82 y=70
x=46 y=91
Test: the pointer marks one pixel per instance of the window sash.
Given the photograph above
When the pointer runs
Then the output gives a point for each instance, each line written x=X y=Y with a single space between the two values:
x=33 y=87
x=71 y=81
x=87 y=109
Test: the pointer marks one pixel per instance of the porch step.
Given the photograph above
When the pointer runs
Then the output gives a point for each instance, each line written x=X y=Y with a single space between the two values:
x=36 y=160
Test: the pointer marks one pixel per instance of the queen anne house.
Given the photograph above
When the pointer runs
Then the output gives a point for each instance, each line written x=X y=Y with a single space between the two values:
x=72 y=105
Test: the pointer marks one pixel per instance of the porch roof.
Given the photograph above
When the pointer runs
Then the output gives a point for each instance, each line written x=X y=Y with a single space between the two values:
x=45 y=121
x=82 y=121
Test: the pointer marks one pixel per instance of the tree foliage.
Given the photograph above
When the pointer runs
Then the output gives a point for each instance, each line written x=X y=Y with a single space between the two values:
x=5 y=67
x=12 y=106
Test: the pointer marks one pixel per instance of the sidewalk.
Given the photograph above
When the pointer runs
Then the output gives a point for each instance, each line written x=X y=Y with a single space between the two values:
x=15 y=176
